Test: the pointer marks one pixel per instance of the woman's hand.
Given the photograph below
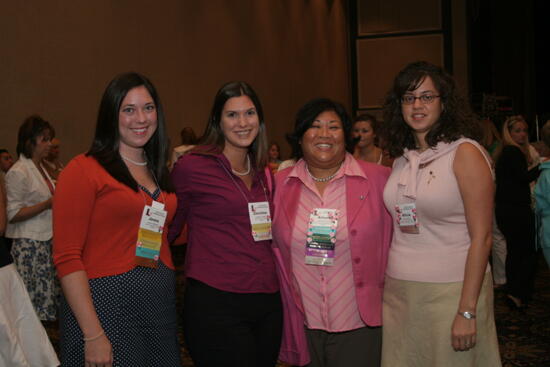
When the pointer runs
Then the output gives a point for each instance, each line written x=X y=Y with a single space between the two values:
x=463 y=333
x=98 y=352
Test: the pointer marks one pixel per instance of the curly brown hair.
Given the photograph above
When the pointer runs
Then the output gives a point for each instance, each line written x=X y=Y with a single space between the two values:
x=456 y=119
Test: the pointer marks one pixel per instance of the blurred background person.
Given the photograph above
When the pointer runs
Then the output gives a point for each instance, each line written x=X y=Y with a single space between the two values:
x=274 y=157
x=111 y=251
x=331 y=284
x=232 y=311
x=542 y=197
x=364 y=133
x=188 y=141
x=52 y=163
x=438 y=294
x=514 y=211
x=6 y=161
x=491 y=141
x=24 y=341
x=29 y=190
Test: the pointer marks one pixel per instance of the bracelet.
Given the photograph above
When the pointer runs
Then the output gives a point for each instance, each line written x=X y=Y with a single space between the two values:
x=94 y=337
x=467 y=315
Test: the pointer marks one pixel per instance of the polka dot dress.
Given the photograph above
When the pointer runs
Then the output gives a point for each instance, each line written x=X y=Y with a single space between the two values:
x=137 y=310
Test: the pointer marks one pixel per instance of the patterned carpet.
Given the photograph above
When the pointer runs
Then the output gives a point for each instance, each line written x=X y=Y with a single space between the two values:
x=524 y=337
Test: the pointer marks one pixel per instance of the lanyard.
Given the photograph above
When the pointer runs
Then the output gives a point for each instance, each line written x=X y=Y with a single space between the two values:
x=237 y=185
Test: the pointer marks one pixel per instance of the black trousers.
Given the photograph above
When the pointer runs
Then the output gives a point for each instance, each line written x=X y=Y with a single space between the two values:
x=517 y=224
x=225 y=329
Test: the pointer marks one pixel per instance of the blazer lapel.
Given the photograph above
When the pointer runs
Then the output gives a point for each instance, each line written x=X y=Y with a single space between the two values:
x=357 y=190
x=289 y=199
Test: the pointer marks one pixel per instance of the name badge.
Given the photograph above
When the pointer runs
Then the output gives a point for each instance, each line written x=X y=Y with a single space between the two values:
x=321 y=237
x=149 y=239
x=260 y=220
x=406 y=218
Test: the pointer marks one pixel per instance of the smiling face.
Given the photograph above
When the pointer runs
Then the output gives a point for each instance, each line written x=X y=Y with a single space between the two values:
x=239 y=123
x=421 y=117
x=137 y=119
x=519 y=132
x=323 y=144
x=364 y=131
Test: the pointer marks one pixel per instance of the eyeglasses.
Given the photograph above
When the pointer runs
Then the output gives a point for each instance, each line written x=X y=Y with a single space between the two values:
x=425 y=98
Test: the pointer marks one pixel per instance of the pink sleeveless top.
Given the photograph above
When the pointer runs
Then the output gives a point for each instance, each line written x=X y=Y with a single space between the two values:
x=438 y=253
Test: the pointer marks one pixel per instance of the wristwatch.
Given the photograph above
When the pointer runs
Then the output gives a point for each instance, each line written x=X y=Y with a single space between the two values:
x=467 y=315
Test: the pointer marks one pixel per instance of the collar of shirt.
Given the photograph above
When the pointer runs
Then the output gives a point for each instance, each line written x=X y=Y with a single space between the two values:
x=350 y=167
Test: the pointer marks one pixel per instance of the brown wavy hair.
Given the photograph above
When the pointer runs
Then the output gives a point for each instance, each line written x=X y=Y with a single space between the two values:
x=456 y=119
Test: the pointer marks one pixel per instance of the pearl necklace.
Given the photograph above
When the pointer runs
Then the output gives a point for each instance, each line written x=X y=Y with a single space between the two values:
x=132 y=161
x=247 y=170
x=322 y=179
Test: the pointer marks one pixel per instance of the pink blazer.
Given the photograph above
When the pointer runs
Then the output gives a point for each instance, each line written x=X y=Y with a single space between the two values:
x=370 y=231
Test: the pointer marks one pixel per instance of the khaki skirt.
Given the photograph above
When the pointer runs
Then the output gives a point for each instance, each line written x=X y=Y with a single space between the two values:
x=417 y=320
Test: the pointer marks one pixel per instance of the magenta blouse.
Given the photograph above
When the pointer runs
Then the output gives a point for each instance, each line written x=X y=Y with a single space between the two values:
x=214 y=202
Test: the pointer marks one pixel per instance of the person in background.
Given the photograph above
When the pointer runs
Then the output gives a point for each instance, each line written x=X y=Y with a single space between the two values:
x=110 y=246
x=52 y=163
x=6 y=161
x=438 y=294
x=274 y=157
x=492 y=142
x=331 y=236
x=542 y=199
x=29 y=191
x=514 y=210
x=188 y=141
x=285 y=164
x=232 y=313
x=364 y=132
x=24 y=341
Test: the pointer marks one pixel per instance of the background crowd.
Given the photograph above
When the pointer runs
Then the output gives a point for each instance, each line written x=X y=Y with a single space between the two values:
x=370 y=245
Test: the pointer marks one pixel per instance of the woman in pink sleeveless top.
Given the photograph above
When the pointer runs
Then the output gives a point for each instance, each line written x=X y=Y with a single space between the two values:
x=438 y=301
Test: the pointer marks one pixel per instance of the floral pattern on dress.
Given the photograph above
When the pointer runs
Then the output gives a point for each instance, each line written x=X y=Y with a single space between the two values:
x=33 y=260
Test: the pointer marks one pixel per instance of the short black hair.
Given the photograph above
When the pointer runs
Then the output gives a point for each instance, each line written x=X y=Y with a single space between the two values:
x=107 y=137
x=33 y=127
x=307 y=115
x=2 y=150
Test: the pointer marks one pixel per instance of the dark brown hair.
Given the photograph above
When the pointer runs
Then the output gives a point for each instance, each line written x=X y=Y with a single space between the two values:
x=456 y=119
x=213 y=134
x=33 y=127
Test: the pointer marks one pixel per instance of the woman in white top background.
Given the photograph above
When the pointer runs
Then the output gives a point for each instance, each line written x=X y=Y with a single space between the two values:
x=29 y=191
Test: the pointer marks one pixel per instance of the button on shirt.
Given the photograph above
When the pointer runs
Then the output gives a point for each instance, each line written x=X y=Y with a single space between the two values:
x=214 y=203
x=328 y=292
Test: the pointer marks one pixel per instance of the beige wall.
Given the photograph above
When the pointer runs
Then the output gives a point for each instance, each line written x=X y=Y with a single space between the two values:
x=58 y=55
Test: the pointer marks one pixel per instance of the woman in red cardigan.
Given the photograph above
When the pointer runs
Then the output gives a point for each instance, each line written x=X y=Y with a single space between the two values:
x=110 y=250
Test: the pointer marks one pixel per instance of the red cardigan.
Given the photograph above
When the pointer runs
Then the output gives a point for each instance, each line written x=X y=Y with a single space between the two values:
x=96 y=220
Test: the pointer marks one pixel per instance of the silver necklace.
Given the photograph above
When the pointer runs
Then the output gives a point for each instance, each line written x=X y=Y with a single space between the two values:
x=132 y=161
x=322 y=179
x=247 y=170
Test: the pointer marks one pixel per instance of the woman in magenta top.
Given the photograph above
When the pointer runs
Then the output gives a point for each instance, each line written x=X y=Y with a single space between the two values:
x=232 y=308
x=438 y=301
x=331 y=237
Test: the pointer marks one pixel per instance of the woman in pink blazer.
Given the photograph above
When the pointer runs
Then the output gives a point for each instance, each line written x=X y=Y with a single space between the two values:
x=331 y=236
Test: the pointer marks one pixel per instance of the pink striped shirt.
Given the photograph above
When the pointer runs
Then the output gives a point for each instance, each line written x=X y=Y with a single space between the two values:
x=328 y=292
